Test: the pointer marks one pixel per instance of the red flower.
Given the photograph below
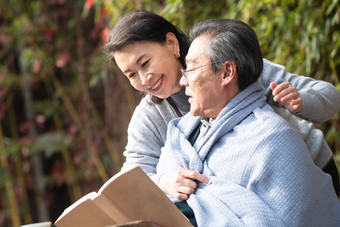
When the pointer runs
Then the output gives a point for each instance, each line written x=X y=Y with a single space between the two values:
x=48 y=34
x=89 y=4
x=104 y=33
x=62 y=59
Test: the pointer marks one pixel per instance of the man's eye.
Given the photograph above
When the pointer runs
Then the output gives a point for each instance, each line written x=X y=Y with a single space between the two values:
x=145 y=63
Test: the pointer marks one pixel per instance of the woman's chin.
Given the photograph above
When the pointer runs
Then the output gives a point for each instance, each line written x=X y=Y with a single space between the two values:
x=162 y=96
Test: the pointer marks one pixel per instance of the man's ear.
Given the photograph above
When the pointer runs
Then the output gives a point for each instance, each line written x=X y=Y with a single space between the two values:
x=172 y=43
x=229 y=72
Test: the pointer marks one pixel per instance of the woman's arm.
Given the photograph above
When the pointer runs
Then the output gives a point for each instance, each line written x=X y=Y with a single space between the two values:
x=146 y=137
x=320 y=99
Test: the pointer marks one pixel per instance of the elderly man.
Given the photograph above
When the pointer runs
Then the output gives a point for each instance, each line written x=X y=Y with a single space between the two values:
x=260 y=172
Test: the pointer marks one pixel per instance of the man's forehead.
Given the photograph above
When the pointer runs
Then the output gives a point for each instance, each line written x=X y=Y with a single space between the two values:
x=197 y=50
x=197 y=59
x=191 y=61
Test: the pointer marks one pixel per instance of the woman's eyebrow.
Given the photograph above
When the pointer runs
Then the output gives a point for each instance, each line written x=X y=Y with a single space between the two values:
x=140 y=58
x=137 y=62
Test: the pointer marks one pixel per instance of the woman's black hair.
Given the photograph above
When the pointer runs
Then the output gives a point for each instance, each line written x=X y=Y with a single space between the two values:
x=144 y=26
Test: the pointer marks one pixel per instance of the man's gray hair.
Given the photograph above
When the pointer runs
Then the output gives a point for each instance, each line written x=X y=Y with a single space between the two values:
x=232 y=40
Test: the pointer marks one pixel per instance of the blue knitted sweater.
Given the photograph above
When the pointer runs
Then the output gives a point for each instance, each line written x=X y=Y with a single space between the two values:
x=259 y=169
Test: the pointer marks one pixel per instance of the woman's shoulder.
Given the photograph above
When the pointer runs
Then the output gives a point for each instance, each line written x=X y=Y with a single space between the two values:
x=146 y=106
x=146 y=111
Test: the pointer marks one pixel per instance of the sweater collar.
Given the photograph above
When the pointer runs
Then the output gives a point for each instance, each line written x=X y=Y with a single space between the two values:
x=232 y=114
x=181 y=101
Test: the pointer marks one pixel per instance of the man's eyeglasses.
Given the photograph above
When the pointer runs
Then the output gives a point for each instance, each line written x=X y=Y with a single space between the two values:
x=186 y=73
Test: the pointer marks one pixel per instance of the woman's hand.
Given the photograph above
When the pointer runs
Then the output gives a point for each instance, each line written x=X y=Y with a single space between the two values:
x=287 y=95
x=181 y=183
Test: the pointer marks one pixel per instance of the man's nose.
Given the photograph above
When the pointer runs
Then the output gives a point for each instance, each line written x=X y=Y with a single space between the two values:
x=183 y=81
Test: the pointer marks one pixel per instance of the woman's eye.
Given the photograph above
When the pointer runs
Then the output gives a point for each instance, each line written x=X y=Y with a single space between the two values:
x=131 y=75
x=145 y=63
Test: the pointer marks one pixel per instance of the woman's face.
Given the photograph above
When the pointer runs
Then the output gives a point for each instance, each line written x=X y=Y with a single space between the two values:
x=152 y=67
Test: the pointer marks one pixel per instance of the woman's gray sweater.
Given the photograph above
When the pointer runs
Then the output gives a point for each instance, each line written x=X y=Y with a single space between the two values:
x=148 y=126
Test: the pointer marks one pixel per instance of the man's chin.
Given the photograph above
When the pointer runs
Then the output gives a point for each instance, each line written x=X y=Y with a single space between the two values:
x=194 y=113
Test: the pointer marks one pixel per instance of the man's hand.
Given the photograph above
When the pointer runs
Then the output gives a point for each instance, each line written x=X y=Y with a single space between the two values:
x=181 y=183
x=287 y=95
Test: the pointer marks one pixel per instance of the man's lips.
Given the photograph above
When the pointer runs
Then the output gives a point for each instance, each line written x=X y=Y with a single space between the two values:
x=189 y=97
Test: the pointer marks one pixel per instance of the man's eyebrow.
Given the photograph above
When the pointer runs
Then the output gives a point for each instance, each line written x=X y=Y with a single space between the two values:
x=190 y=60
x=137 y=62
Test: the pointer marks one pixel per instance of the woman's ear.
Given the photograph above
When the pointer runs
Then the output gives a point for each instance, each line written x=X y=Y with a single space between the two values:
x=172 y=43
x=229 y=72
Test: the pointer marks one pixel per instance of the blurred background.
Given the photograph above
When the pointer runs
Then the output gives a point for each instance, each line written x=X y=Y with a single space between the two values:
x=64 y=110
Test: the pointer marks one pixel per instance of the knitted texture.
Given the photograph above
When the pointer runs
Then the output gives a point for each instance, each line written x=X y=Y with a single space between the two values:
x=148 y=125
x=259 y=169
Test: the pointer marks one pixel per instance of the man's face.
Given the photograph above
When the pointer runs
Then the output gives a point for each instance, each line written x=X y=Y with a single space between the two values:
x=202 y=86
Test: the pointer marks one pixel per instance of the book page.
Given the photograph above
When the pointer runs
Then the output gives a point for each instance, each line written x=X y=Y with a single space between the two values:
x=88 y=196
x=125 y=197
x=86 y=213
x=139 y=198
x=111 y=209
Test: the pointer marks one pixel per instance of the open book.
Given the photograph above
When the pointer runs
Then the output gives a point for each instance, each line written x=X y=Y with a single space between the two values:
x=125 y=197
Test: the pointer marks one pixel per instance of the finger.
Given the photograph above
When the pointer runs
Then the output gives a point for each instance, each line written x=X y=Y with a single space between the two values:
x=190 y=183
x=273 y=85
x=182 y=178
x=297 y=101
x=194 y=175
x=279 y=88
x=293 y=108
x=181 y=196
x=296 y=105
x=288 y=96
x=186 y=190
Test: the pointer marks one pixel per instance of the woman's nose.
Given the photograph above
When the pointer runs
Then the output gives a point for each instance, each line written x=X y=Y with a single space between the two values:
x=146 y=78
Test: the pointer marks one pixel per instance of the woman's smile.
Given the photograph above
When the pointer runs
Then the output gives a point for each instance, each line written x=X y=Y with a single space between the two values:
x=157 y=85
x=150 y=67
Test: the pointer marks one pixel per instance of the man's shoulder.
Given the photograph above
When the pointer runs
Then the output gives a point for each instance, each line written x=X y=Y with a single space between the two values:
x=266 y=121
x=274 y=128
x=269 y=134
x=268 y=116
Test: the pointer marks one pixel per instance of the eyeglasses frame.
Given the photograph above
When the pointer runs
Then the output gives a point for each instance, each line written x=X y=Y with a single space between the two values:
x=193 y=69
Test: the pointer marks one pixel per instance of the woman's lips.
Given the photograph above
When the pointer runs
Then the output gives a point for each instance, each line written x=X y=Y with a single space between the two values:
x=157 y=85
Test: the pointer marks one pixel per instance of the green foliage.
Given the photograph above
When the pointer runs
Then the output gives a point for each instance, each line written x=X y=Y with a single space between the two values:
x=57 y=47
x=97 y=69
x=11 y=147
